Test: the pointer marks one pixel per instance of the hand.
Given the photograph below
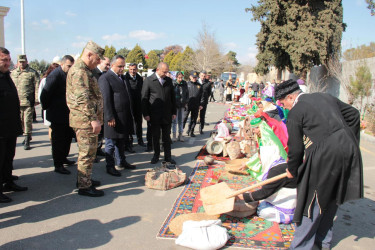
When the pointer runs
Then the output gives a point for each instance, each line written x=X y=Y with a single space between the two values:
x=239 y=197
x=96 y=127
x=288 y=174
x=112 y=123
x=173 y=117
x=243 y=166
x=200 y=107
x=36 y=103
x=147 y=118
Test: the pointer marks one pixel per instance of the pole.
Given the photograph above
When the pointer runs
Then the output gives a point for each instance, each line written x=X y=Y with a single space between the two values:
x=22 y=29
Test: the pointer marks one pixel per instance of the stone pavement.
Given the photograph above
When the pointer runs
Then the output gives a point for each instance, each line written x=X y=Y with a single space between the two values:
x=51 y=215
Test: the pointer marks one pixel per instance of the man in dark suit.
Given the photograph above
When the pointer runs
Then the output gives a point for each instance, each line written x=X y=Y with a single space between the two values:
x=10 y=126
x=159 y=107
x=53 y=100
x=136 y=83
x=97 y=72
x=118 y=117
x=206 y=86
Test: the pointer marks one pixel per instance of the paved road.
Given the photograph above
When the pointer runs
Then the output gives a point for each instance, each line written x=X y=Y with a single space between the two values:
x=52 y=216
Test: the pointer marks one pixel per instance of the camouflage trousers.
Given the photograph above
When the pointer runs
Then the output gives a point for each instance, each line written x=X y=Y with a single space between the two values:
x=87 y=144
x=27 y=119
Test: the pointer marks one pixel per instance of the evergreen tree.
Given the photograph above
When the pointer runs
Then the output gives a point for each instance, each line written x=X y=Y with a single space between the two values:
x=371 y=6
x=361 y=52
x=232 y=61
x=169 y=57
x=136 y=55
x=176 y=63
x=123 y=52
x=109 y=52
x=297 y=35
x=153 y=60
x=361 y=84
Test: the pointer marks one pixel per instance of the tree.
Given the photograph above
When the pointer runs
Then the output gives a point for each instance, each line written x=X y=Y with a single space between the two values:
x=187 y=61
x=296 y=35
x=371 y=6
x=232 y=61
x=208 y=55
x=123 y=52
x=109 y=52
x=176 y=63
x=153 y=60
x=136 y=55
x=169 y=57
x=40 y=67
x=361 y=84
x=361 y=52
x=175 y=48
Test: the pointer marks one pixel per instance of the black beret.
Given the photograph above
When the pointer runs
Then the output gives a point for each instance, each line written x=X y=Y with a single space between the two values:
x=285 y=88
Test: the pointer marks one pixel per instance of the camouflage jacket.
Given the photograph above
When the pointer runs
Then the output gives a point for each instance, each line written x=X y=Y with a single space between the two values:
x=83 y=96
x=27 y=84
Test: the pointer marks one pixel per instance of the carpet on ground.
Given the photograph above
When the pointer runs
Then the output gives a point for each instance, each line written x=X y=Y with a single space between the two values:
x=247 y=232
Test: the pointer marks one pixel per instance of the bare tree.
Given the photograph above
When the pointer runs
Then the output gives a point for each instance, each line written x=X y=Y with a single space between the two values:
x=208 y=55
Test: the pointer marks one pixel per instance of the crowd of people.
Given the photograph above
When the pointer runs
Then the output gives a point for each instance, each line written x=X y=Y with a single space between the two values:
x=93 y=100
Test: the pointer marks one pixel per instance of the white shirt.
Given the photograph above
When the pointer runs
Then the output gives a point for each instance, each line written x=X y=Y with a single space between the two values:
x=161 y=80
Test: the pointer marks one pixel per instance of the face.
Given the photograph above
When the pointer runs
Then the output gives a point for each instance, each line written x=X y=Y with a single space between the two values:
x=23 y=64
x=93 y=60
x=133 y=70
x=4 y=62
x=162 y=71
x=179 y=78
x=104 y=64
x=208 y=77
x=256 y=131
x=118 y=66
x=66 y=66
x=202 y=76
x=287 y=102
x=260 y=107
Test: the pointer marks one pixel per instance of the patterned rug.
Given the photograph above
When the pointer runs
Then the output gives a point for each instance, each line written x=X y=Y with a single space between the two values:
x=249 y=232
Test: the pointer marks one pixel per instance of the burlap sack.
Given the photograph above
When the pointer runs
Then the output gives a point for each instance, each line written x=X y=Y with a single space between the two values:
x=163 y=178
x=233 y=149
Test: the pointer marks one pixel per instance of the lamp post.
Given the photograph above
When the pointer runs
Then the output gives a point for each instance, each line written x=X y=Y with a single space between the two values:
x=23 y=29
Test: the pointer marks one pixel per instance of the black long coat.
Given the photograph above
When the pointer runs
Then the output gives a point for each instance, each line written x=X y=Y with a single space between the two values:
x=117 y=105
x=158 y=102
x=324 y=152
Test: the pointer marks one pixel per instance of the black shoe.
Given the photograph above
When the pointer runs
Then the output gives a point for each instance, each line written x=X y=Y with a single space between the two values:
x=91 y=191
x=149 y=149
x=96 y=160
x=170 y=161
x=4 y=198
x=141 y=143
x=188 y=132
x=206 y=124
x=93 y=183
x=100 y=152
x=113 y=171
x=127 y=165
x=129 y=149
x=192 y=134
x=154 y=160
x=201 y=132
x=61 y=170
x=11 y=186
x=15 y=177
x=68 y=162
x=26 y=146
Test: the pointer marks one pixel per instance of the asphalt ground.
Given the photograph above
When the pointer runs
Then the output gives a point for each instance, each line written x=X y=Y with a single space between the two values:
x=51 y=215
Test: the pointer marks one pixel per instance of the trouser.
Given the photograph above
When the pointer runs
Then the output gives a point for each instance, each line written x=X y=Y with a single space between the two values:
x=193 y=118
x=7 y=152
x=27 y=119
x=149 y=135
x=87 y=145
x=202 y=116
x=212 y=97
x=179 y=119
x=61 y=138
x=165 y=135
x=114 y=149
x=229 y=97
x=317 y=229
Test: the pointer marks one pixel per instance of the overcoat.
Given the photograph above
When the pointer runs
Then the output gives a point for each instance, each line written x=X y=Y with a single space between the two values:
x=324 y=152
x=117 y=105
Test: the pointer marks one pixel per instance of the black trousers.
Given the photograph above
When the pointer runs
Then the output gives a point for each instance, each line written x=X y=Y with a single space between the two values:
x=149 y=135
x=202 y=116
x=212 y=97
x=61 y=138
x=165 y=136
x=138 y=127
x=193 y=118
x=7 y=152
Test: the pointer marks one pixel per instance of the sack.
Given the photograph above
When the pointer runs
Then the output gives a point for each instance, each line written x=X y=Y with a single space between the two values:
x=205 y=234
x=166 y=177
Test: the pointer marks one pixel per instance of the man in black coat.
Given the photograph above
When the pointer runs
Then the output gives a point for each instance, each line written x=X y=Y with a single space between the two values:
x=206 y=88
x=118 y=117
x=10 y=126
x=136 y=83
x=159 y=107
x=324 y=156
x=53 y=100
x=255 y=87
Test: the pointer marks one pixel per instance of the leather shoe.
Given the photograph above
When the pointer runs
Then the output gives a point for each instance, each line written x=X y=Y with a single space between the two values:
x=154 y=160
x=192 y=134
x=91 y=191
x=141 y=143
x=100 y=152
x=4 y=198
x=148 y=149
x=127 y=165
x=68 y=162
x=170 y=161
x=96 y=160
x=201 y=132
x=206 y=124
x=15 y=177
x=94 y=183
x=113 y=171
x=129 y=149
x=11 y=186
x=61 y=170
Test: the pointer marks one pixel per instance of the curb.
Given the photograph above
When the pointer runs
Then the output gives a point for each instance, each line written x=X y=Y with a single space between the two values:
x=367 y=137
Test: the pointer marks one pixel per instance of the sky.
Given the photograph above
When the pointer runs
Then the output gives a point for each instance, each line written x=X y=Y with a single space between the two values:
x=57 y=28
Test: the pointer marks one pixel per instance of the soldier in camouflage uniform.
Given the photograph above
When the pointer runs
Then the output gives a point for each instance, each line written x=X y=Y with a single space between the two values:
x=27 y=83
x=86 y=113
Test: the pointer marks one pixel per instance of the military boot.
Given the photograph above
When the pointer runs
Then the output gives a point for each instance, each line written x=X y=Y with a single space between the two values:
x=26 y=146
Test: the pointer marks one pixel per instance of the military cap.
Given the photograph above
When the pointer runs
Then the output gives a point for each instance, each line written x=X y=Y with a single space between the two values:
x=22 y=58
x=93 y=47
x=193 y=73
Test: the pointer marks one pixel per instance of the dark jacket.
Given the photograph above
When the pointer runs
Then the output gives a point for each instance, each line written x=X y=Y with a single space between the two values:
x=195 y=95
x=324 y=152
x=158 y=102
x=10 y=122
x=255 y=86
x=206 y=91
x=53 y=97
x=117 y=105
x=182 y=93
x=97 y=73
x=136 y=92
